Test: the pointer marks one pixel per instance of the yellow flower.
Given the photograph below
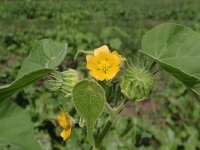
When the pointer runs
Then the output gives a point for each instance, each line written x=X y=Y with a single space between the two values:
x=65 y=122
x=103 y=64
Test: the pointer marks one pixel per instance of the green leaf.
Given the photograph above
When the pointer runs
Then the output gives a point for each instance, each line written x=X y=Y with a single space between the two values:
x=176 y=49
x=42 y=59
x=89 y=99
x=16 y=128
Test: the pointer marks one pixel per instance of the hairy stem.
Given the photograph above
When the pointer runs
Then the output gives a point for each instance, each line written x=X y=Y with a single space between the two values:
x=82 y=51
x=104 y=132
x=113 y=114
x=110 y=110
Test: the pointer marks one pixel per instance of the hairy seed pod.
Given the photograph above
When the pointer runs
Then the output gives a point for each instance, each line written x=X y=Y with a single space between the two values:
x=64 y=82
x=136 y=83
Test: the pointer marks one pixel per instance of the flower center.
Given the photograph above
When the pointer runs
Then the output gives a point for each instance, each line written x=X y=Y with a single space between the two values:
x=104 y=66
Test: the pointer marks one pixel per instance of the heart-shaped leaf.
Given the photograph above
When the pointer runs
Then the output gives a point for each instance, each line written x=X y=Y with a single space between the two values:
x=42 y=59
x=175 y=48
x=16 y=128
x=89 y=99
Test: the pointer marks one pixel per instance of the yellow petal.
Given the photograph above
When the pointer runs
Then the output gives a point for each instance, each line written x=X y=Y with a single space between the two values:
x=112 y=72
x=92 y=63
x=64 y=119
x=97 y=74
x=103 y=48
x=115 y=59
x=102 y=56
x=89 y=57
x=61 y=120
x=65 y=134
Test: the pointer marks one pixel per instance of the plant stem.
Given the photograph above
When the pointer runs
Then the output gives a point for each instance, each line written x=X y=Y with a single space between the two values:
x=104 y=132
x=110 y=110
x=82 y=51
x=113 y=114
x=152 y=66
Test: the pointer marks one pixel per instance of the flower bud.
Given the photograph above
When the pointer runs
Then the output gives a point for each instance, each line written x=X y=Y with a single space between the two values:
x=64 y=82
x=136 y=83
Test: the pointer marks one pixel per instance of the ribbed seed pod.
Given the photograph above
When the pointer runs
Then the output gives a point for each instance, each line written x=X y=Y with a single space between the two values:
x=64 y=82
x=136 y=83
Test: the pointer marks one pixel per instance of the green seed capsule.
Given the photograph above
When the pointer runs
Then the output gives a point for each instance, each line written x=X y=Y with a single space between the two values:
x=64 y=82
x=136 y=83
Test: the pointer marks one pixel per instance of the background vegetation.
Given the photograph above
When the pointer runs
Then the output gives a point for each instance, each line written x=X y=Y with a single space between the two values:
x=169 y=120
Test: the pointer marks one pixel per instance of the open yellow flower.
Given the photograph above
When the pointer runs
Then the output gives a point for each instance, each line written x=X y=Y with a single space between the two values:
x=103 y=64
x=65 y=122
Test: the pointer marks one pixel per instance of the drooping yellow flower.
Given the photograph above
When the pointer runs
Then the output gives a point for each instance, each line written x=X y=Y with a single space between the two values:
x=65 y=122
x=103 y=65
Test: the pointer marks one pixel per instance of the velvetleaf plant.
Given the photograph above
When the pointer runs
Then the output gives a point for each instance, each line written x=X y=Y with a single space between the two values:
x=89 y=95
x=173 y=47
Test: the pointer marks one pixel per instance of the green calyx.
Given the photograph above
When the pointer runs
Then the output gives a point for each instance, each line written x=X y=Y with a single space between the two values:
x=64 y=82
x=136 y=83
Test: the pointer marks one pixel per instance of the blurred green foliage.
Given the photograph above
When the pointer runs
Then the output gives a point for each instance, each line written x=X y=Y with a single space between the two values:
x=169 y=120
